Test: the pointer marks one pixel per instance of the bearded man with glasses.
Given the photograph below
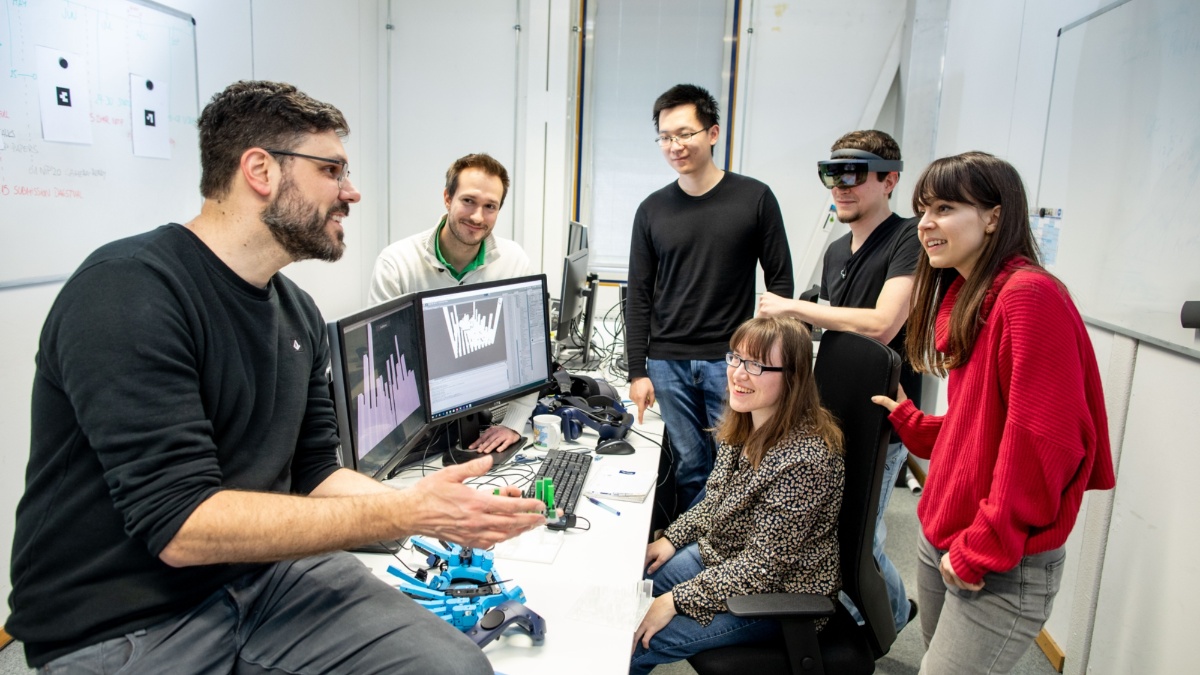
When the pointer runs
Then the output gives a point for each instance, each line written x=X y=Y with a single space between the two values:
x=184 y=509
x=692 y=259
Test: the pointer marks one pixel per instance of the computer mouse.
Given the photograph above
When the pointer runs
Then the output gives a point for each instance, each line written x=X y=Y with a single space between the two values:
x=614 y=446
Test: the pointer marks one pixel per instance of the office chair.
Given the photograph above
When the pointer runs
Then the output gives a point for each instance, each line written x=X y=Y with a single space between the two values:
x=849 y=370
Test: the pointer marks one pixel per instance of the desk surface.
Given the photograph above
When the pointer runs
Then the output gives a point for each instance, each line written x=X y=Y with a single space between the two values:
x=587 y=595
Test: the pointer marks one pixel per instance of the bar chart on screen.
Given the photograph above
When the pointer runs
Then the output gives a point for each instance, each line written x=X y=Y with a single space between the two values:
x=387 y=398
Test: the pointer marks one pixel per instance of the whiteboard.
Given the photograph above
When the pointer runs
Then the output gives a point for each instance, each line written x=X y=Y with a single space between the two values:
x=1122 y=161
x=61 y=200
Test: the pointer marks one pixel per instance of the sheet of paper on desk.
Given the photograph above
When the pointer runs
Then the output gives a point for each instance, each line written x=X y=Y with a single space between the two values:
x=616 y=482
x=538 y=545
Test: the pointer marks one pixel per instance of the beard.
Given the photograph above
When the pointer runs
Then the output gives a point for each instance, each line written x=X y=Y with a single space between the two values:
x=299 y=227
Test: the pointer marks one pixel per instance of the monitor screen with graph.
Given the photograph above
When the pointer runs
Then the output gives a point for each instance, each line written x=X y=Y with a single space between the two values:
x=377 y=385
x=484 y=344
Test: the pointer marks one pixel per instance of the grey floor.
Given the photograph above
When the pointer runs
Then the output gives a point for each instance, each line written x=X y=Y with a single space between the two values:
x=903 y=659
x=905 y=655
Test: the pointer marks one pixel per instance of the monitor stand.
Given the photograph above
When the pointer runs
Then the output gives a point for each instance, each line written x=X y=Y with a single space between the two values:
x=468 y=433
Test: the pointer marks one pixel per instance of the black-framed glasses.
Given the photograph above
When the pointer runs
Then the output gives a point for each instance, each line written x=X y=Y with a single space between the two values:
x=665 y=141
x=340 y=176
x=752 y=367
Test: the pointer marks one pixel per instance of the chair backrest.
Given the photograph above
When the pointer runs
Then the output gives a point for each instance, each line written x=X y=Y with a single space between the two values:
x=849 y=370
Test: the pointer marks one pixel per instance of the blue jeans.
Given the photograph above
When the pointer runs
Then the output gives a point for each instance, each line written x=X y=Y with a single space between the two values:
x=683 y=637
x=897 y=596
x=323 y=614
x=984 y=632
x=691 y=395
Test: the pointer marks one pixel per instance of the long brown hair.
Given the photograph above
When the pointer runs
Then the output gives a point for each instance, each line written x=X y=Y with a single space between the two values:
x=800 y=404
x=985 y=182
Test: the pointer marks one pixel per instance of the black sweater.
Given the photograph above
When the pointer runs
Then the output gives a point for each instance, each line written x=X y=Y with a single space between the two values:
x=162 y=377
x=692 y=267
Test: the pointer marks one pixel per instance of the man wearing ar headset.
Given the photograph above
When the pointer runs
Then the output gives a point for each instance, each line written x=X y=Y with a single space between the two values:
x=867 y=278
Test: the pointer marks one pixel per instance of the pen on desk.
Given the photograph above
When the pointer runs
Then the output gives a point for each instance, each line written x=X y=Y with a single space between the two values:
x=602 y=505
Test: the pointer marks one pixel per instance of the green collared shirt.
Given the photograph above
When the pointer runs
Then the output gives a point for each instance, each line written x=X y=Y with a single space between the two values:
x=437 y=249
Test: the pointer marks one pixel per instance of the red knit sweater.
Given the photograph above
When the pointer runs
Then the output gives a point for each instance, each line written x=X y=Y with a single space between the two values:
x=1025 y=432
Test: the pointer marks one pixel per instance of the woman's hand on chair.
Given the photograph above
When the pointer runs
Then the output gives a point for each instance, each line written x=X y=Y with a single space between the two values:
x=888 y=403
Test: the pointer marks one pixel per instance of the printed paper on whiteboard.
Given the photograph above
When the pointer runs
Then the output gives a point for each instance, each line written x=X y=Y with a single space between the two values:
x=148 y=99
x=63 y=95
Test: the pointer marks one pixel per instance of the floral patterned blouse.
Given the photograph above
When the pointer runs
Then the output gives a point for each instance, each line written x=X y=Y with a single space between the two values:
x=767 y=530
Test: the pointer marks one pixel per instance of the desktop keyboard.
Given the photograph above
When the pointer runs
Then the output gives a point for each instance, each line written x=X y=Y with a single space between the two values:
x=569 y=471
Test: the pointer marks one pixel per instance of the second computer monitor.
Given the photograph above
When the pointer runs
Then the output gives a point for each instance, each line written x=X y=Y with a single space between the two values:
x=377 y=386
x=577 y=237
x=484 y=344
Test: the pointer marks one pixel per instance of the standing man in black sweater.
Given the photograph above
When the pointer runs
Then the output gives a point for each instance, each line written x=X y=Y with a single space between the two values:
x=183 y=507
x=692 y=259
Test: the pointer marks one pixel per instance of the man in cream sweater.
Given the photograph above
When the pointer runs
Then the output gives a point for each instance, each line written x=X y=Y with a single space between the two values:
x=461 y=249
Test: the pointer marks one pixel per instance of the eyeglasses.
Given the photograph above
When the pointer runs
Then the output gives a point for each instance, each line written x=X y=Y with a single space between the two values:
x=665 y=141
x=752 y=367
x=340 y=175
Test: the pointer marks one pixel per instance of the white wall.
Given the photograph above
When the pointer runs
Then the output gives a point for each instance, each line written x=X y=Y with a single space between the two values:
x=1148 y=606
x=801 y=88
x=335 y=52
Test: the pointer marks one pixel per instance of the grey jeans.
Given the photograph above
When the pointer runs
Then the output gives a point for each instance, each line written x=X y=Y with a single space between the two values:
x=985 y=631
x=324 y=614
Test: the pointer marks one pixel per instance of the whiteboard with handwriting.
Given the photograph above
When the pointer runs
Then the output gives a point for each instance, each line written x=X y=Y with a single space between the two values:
x=61 y=200
x=1122 y=161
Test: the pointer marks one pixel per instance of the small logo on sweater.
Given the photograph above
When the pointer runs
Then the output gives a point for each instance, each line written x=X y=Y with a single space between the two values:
x=296 y=345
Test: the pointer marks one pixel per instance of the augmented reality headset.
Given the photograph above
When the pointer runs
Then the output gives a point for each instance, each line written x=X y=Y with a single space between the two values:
x=848 y=167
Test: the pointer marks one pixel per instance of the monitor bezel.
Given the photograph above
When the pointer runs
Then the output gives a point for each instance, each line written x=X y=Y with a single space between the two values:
x=348 y=448
x=487 y=402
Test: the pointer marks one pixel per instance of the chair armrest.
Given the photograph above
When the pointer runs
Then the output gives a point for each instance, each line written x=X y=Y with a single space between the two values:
x=780 y=604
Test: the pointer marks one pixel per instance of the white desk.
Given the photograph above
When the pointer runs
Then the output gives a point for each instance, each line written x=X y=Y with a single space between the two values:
x=581 y=594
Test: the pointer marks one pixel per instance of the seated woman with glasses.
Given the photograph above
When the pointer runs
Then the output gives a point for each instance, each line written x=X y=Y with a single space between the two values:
x=768 y=521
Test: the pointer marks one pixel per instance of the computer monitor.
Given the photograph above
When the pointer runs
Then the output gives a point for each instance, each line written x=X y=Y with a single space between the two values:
x=578 y=299
x=483 y=344
x=377 y=386
x=577 y=237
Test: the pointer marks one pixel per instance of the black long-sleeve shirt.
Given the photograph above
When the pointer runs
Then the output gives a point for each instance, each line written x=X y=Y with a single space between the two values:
x=162 y=377
x=692 y=267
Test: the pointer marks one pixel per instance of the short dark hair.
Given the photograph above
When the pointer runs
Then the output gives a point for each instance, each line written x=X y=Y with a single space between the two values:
x=873 y=141
x=262 y=114
x=482 y=161
x=707 y=110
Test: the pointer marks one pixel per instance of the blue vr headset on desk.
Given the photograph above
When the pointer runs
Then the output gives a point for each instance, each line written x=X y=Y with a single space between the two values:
x=580 y=401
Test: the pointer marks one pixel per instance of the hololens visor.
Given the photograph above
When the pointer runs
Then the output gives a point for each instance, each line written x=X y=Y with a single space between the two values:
x=848 y=167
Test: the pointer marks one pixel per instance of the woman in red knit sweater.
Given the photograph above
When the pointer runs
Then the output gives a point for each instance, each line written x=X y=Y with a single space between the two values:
x=1025 y=432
